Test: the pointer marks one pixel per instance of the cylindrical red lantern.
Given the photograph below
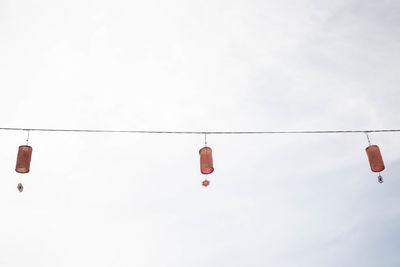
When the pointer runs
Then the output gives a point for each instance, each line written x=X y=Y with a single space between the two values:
x=375 y=158
x=23 y=159
x=206 y=162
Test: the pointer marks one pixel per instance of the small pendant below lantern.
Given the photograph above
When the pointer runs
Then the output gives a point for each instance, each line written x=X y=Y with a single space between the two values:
x=206 y=183
x=20 y=187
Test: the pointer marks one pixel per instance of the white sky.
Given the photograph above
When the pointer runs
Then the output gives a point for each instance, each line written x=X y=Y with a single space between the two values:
x=137 y=200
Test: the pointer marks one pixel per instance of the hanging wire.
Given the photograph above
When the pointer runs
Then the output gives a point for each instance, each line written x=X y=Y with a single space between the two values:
x=205 y=139
x=369 y=141
x=202 y=132
x=27 y=138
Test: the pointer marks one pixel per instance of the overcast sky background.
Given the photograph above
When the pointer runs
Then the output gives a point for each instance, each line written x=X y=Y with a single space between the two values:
x=137 y=200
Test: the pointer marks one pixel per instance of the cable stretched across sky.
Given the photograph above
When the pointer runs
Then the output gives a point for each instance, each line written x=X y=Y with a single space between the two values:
x=206 y=161
x=202 y=132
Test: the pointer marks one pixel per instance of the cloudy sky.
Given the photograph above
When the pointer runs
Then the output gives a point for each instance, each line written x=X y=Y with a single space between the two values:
x=137 y=200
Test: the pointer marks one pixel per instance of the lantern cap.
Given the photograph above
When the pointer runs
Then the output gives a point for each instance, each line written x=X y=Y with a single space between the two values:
x=25 y=146
x=205 y=148
x=371 y=146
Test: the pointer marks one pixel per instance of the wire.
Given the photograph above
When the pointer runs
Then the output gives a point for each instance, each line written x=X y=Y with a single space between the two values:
x=203 y=132
x=27 y=138
x=369 y=141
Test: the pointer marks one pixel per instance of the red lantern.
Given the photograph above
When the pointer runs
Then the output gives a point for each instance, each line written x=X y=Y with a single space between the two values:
x=375 y=158
x=206 y=162
x=23 y=159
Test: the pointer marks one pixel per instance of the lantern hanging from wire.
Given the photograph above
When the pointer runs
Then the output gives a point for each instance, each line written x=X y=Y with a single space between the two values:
x=375 y=159
x=23 y=160
x=206 y=161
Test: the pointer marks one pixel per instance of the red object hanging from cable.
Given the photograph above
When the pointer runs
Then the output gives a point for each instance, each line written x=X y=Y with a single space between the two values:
x=24 y=159
x=375 y=158
x=206 y=161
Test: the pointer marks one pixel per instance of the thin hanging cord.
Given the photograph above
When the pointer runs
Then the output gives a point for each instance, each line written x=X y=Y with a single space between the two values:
x=369 y=141
x=27 y=138
x=205 y=139
x=202 y=132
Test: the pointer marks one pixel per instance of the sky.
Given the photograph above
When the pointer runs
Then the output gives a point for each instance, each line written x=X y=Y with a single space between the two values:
x=137 y=199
